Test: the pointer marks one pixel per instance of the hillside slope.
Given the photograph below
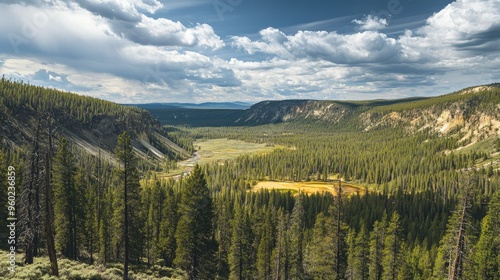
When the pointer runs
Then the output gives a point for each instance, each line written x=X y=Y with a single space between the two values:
x=91 y=124
x=472 y=112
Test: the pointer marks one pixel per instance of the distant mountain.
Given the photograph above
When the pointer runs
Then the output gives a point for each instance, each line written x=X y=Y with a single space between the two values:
x=207 y=105
x=472 y=113
x=91 y=124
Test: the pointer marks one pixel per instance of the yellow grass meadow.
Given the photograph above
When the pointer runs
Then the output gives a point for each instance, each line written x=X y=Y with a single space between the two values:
x=308 y=187
x=218 y=150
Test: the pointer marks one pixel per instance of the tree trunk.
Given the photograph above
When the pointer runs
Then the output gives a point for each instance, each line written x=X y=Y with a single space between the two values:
x=49 y=210
x=49 y=219
x=125 y=232
x=455 y=269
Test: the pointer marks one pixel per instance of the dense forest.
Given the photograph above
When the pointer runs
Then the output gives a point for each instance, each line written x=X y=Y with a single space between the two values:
x=429 y=210
x=91 y=123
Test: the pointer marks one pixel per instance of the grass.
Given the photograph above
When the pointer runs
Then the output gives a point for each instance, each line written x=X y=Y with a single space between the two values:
x=308 y=187
x=228 y=149
x=219 y=150
x=68 y=269
x=486 y=145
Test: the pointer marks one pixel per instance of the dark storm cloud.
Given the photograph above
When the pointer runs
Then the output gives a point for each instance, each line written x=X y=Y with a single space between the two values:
x=482 y=42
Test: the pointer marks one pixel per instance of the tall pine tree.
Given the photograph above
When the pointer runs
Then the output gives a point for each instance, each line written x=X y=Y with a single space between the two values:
x=129 y=202
x=391 y=255
x=68 y=195
x=168 y=227
x=297 y=229
x=240 y=253
x=195 y=233
x=281 y=256
x=488 y=247
x=358 y=254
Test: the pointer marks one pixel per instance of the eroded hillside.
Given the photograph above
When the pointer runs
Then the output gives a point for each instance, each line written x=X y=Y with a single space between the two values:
x=91 y=124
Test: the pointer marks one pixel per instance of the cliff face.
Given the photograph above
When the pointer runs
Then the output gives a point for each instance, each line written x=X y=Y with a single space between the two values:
x=294 y=110
x=474 y=113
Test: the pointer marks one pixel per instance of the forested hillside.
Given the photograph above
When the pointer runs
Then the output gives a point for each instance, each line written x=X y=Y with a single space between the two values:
x=429 y=208
x=471 y=113
x=92 y=124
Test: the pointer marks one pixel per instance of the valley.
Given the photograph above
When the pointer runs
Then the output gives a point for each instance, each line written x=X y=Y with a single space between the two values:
x=257 y=184
x=217 y=151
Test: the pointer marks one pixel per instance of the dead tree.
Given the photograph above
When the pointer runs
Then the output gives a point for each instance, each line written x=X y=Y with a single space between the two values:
x=49 y=207
x=29 y=204
x=456 y=266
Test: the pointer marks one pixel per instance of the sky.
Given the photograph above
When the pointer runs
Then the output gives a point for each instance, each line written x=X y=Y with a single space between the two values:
x=143 y=51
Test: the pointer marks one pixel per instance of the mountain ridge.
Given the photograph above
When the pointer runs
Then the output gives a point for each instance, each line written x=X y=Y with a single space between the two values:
x=471 y=113
x=205 y=105
x=91 y=124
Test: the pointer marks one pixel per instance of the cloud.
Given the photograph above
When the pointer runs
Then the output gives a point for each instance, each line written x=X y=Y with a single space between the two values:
x=47 y=76
x=464 y=36
x=164 y=32
x=127 y=19
x=362 y=47
x=76 y=37
x=126 y=51
x=462 y=28
x=126 y=10
x=371 y=22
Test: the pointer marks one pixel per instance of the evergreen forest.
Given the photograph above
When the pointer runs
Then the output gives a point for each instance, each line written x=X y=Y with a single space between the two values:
x=427 y=205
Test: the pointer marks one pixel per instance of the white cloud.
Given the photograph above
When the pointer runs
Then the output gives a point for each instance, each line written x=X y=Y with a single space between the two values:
x=363 y=47
x=128 y=10
x=463 y=35
x=464 y=38
x=371 y=22
x=119 y=50
x=75 y=37
x=165 y=32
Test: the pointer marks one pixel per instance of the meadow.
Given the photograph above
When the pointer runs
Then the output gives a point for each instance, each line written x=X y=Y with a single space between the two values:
x=218 y=150
x=309 y=187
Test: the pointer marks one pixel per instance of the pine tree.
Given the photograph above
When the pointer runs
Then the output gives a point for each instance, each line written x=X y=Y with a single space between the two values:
x=240 y=253
x=30 y=212
x=168 y=227
x=49 y=207
x=297 y=229
x=487 y=258
x=128 y=207
x=358 y=254
x=391 y=255
x=455 y=244
x=223 y=236
x=377 y=237
x=281 y=256
x=320 y=257
x=195 y=234
x=265 y=247
x=105 y=224
x=351 y=254
x=68 y=197
x=91 y=209
x=149 y=225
